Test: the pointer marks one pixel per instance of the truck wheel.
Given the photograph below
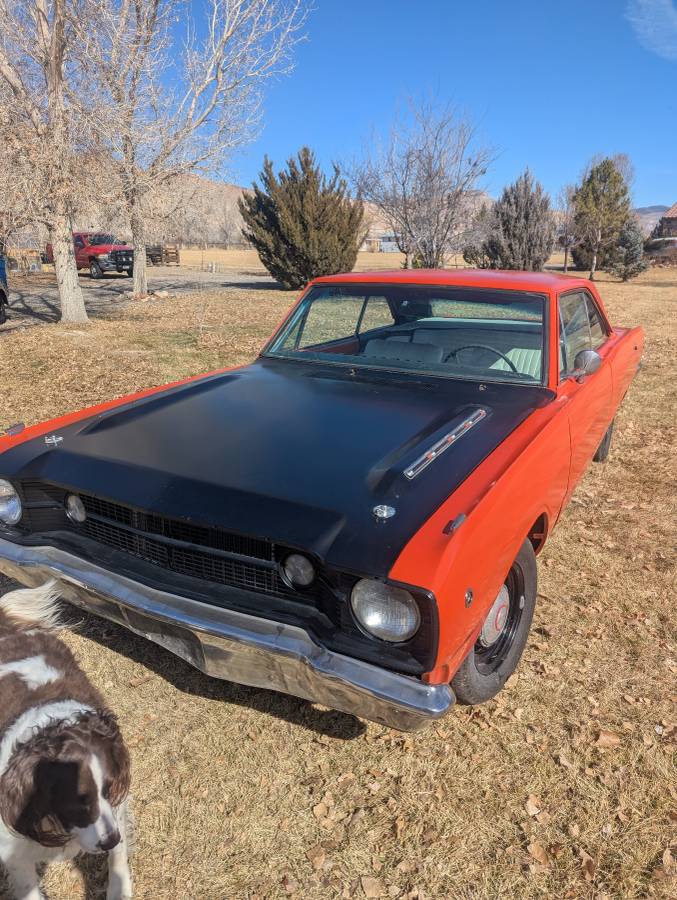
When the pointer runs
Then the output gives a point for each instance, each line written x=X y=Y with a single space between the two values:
x=602 y=452
x=504 y=634
x=3 y=310
x=95 y=270
x=130 y=273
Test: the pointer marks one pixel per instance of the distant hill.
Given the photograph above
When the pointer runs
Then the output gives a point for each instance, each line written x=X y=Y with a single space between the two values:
x=649 y=216
x=193 y=209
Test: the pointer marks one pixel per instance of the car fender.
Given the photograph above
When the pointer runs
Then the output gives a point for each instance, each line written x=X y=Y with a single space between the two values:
x=522 y=483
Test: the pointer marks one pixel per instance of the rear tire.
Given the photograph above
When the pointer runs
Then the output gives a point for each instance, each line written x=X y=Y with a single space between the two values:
x=602 y=452
x=95 y=270
x=496 y=653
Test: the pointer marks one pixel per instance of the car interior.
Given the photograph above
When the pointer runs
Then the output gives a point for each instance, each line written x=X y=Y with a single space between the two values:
x=453 y=331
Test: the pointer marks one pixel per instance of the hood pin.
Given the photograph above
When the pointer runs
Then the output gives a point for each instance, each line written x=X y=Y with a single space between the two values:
x=383 y=512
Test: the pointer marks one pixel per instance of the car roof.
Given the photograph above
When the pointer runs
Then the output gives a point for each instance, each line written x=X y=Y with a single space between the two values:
x=548 y=282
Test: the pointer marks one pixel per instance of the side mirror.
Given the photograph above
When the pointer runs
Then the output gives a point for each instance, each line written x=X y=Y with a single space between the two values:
x=586 y=363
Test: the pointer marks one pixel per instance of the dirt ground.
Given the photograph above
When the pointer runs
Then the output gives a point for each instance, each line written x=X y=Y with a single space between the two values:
x=562 y=787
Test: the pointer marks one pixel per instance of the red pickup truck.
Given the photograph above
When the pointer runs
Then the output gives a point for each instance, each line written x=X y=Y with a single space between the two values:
x=100 y=253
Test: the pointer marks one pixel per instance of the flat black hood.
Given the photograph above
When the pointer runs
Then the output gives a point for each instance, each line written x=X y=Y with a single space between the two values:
x=293 y=452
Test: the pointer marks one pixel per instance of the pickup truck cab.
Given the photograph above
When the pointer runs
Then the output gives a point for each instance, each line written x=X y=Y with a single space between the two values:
x=100 y=252
x=353 y=518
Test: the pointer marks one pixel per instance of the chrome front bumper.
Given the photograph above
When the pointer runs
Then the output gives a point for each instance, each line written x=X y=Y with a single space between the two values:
x=233 y=645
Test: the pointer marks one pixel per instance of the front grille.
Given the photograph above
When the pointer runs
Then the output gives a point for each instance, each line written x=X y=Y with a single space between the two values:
x=176 y=529
x=122 y=257
x=199 y=551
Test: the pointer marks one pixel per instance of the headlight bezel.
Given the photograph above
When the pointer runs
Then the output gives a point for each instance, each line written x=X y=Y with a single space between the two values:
x=7 y=520
x=390 y=592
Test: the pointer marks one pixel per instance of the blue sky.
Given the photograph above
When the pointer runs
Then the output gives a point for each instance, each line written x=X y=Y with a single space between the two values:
x=548 y=83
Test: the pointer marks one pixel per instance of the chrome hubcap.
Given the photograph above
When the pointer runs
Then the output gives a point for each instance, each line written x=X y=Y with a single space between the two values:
x=495 y=621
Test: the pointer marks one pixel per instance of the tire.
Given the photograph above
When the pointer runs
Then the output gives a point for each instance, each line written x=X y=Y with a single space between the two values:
x=3 y=310
x=602 y=452
x=496 y=654
x=130 y=273
x=95 y=270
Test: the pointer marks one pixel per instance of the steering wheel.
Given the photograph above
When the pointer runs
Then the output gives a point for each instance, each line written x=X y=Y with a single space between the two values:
x=498 y=353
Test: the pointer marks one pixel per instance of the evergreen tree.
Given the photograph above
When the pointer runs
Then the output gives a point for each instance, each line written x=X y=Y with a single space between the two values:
x=302 y=224
x=627 y=257
x=602 y=207
x=521 y=232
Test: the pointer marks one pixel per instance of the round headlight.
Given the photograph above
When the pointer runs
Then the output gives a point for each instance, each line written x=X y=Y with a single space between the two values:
x=10 y=504
x=298 y=570
x=386 y=612
x=75 y=509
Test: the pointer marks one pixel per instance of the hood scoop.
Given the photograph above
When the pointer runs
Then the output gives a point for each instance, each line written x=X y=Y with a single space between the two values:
x=439 y=447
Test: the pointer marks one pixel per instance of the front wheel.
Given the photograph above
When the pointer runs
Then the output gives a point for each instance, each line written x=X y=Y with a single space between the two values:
x=95 y=270
x=130 y=273
x=602 y=452
x=504 y=633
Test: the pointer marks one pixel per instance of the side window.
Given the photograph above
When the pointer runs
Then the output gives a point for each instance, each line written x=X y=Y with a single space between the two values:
x=581 y=328
x=376 y=314
x=330 y=318
x=574 y=329
x=79 y=243
x=597 y=331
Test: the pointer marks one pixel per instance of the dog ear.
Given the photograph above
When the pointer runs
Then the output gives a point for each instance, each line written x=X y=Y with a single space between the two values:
x=118 y=756
x=25 y=791
x=120 y=769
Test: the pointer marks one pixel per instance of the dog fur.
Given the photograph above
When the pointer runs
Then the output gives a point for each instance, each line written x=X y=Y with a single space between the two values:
x=64 y=768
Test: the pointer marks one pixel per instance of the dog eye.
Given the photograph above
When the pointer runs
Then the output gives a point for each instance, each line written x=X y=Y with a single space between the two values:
x=82 y=798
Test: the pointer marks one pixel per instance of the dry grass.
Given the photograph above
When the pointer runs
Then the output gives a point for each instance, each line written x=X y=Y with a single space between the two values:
x=249 y=261
x=241 y=793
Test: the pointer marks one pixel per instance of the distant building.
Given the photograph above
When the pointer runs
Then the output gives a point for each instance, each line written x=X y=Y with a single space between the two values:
x=667 y=227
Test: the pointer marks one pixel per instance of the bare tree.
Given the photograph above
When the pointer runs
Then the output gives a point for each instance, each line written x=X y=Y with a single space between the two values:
x=21 y=200
x=424 y=181
x=35 y=64
x=165 y=112
x=566 y=220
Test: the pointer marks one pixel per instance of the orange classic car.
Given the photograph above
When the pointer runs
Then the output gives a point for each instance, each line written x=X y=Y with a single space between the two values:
x=354 y=518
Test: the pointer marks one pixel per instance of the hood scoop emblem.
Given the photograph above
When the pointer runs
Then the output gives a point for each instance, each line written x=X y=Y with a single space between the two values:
x=445 y=442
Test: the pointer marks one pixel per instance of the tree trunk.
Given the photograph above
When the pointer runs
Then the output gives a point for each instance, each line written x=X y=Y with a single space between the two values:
x=139 y=240
x=408 y=260
x=566 y=258
x=593 y=265
x=70 y=293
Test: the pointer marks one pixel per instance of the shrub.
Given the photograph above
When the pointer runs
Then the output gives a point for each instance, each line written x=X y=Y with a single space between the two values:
x=302 y=224
x=601 y=209
x=520 y=229
x=627 y=258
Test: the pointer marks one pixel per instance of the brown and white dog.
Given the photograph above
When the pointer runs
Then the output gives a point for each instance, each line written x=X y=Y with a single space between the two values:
x=64 y=769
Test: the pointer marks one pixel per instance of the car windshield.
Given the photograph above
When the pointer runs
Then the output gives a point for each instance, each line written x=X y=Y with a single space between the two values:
x=98 y=240
x=456 y=332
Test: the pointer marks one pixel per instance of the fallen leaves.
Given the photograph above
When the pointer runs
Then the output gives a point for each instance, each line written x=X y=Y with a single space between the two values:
x=532 y=805
x=372 y=887
x=317 y=856
x=588 y=865
x=607 y=740
x=539 y=853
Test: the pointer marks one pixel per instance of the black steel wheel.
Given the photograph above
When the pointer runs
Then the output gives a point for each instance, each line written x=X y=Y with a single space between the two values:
x=503 y=636
x=602 y=452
